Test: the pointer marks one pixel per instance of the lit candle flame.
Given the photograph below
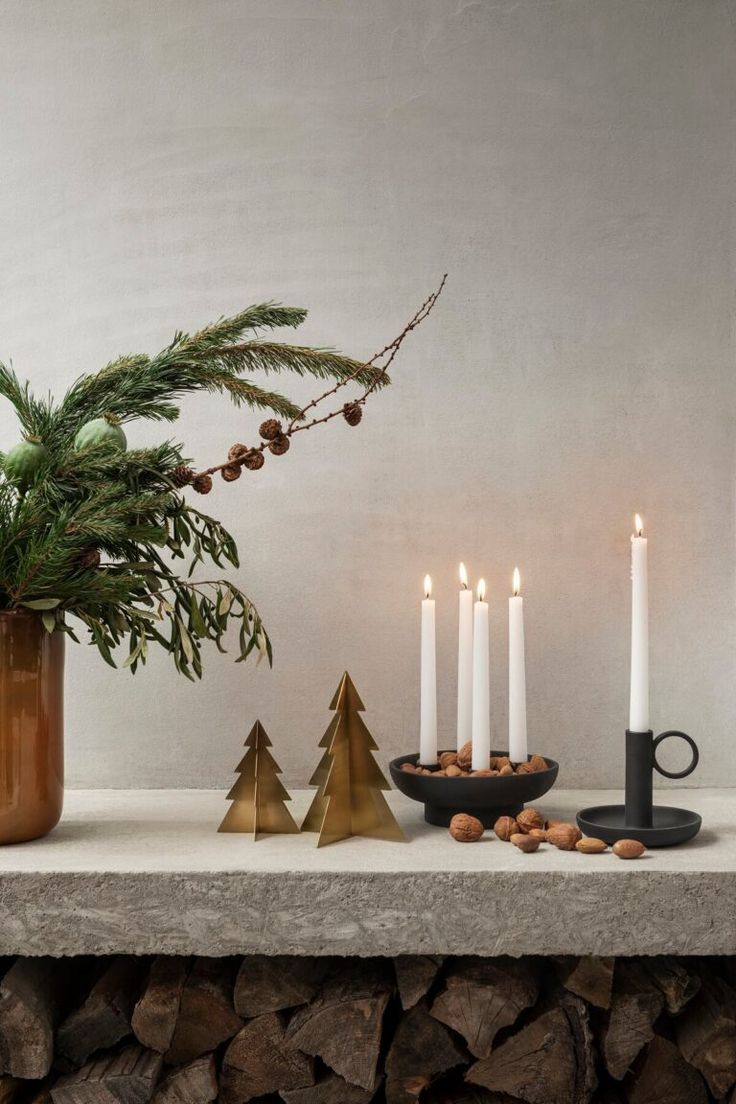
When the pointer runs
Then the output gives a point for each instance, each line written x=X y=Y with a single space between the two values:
x=481 y=590
x=638 y=526
x=427 y=586
x=463 y=577
x=517 y=582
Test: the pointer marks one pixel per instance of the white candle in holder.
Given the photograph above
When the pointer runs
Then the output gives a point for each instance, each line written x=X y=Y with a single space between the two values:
x=517 y=675
x=481 y=718
x=464 y=662
x=639 y=699
x=428 y=701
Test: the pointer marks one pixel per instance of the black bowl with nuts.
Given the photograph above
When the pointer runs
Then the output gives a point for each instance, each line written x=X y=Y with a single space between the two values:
x=487 y=795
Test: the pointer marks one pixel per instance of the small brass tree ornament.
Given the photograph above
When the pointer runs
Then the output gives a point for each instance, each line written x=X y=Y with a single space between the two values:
x=258 y=796
x=349 y=801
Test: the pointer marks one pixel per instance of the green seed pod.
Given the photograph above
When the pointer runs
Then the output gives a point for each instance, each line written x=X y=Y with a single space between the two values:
x=101 y=431
x=23 y=462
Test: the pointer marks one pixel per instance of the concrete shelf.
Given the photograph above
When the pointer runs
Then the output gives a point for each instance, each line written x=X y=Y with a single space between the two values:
x=144 y=871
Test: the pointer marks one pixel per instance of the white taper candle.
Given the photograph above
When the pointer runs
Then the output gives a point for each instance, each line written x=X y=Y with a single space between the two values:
x=481 y=719
x=428 y=701
x=517 y=676
x=639 y=688
x=464 y=661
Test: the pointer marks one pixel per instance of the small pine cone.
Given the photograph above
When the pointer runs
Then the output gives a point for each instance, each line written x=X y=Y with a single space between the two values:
x=352 y=412
x=89 y=559
x=254 y=460
x=202 y=484
x=279 y=445
x=237 y=451
x=231 y=473
x=270 y=429
x=182 y=475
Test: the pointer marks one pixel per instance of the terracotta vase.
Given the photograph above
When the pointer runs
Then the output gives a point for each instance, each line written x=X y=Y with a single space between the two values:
x=31 y=727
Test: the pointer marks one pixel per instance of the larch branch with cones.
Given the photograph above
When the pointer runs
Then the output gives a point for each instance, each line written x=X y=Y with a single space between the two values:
x=258 y=796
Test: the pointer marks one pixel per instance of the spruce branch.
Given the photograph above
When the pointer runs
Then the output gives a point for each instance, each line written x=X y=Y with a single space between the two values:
x=107 y=538
x=270 y=356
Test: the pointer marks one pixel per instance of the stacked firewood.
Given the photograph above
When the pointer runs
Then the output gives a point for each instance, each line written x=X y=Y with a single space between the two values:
x=350 y=1031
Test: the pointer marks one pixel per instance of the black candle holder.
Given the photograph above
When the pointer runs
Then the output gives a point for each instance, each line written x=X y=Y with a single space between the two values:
x=483 y=797
x=639 y=819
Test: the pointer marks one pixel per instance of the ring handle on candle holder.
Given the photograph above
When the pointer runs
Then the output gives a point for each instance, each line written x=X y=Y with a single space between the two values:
x=683 y=736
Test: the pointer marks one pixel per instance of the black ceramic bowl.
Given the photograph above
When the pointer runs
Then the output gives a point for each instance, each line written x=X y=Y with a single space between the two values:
x=484 y=798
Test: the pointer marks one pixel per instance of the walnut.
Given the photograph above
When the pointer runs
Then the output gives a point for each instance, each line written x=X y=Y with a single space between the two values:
x=525 y=768
x=506 y=769
x=528 y=819
x=525 y=842
x=539 y=833
x=465 y=756
x=448 y=759
x=498 y=762
x=505 y=827
x=465 y=828
x=537 y=763
x=564 y=836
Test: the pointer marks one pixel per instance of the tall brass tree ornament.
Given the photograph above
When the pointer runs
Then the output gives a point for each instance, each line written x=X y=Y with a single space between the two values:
x=258 y=796
x=349 y=801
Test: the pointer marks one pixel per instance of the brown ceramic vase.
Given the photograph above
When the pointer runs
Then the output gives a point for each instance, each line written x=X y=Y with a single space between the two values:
x=31 y=727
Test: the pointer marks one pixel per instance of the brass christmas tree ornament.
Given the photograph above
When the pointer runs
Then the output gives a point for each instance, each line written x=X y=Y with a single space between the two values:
x=258 y=796
x=349 y=801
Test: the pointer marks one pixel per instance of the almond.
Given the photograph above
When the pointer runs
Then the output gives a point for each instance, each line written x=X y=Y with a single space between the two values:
x=589 y=845
x=453 y=771
x=465 y=756
x=409 y=768
x=628 y=849
x=525 y=842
